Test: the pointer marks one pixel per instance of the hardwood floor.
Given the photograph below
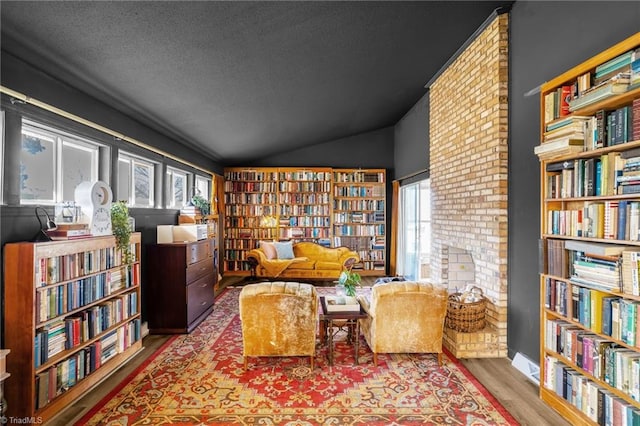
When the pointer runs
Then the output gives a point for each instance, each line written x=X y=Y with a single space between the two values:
x=511 y=388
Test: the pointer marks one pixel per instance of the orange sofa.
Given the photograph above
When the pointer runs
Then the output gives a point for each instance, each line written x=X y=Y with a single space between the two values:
x=304 y=260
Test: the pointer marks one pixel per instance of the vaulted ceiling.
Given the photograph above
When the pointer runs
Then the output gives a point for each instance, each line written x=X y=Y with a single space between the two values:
x=242 y=80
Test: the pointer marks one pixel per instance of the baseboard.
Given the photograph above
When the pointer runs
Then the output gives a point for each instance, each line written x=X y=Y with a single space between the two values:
x=527 y=367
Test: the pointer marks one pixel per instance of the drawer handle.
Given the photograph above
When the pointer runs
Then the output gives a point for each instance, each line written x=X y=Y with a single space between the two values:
x=203 y=303
x=204 y=285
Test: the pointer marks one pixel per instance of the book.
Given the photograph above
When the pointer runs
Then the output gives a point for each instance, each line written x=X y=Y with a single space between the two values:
x=598 y=93
x=342 y=304
x=594 y=248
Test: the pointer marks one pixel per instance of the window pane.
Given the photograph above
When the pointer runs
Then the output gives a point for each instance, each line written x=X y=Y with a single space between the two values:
x=143 y=183
x=37 y=173
x=124 y=180
x=202 y=187
x=77 y=166
x=178 y=189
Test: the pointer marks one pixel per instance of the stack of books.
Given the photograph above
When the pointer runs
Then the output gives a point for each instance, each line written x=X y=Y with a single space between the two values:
x=68 y=231
x=342 y=304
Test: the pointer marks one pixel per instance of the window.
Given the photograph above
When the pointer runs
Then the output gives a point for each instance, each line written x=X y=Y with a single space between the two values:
x=414 y=245
x=203 y=187
x=53 y=163
x=176 y=188
x=135 y=180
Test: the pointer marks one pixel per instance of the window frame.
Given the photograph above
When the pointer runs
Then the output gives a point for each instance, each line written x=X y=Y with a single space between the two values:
x=170 y=174
x=60 y=139
x=136 y=160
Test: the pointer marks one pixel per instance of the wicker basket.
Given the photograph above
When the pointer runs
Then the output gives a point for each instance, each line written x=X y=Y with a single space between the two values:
x=465 y=317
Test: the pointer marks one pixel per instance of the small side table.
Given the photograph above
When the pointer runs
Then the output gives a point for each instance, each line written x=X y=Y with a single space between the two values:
x=350 y=319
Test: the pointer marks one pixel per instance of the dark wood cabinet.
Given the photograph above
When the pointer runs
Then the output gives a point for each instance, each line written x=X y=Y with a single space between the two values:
x=182 y=277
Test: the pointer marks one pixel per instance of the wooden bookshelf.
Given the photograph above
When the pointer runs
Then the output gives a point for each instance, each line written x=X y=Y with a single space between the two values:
x=68 y=305
x=250 y=213
x=359 y=216
x=305 y=204
x=589 y=251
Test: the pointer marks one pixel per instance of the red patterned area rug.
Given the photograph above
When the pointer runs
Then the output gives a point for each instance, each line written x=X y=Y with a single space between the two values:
x=198 y=379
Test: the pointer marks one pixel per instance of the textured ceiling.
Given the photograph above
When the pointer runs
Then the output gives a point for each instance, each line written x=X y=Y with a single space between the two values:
x=241 y=80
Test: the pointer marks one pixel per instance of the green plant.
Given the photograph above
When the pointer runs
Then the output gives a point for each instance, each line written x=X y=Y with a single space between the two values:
x=350 y=280
x=200 y=202
x=121 y=228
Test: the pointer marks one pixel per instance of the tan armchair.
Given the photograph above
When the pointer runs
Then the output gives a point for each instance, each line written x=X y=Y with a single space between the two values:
x=405 y=317
x=278 y=319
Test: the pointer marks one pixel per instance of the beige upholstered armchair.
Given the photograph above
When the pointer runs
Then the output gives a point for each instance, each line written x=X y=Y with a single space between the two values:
x=405 y=317
x=278 y=319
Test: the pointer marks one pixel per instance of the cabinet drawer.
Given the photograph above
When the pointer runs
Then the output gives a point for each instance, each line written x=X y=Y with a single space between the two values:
x=199 y=297
x=198 y=251
x=199 y=269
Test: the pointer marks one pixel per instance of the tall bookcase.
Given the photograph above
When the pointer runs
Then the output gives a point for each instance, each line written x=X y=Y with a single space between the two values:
x=332 y=207
x=359 y=216
x=590 y=242
x=72 y=316
x=250 y=213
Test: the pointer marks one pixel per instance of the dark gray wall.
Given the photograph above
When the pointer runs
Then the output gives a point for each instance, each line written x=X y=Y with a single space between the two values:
x=547 y=38
x=411 y=137
x=367 y=150
x=28 y=79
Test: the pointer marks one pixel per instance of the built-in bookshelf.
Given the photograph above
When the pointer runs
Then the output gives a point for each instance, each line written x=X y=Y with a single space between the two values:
x=250 y=213
x=72 y=317
x=589 y=245
x=332 y=207
x=359 y=216
x=304 y=205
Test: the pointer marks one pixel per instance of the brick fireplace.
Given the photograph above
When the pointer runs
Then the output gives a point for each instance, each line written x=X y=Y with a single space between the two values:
x=468 y=169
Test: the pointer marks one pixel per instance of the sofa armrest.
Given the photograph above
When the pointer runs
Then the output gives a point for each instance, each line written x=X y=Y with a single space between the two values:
x=258 y=255
x=348 y=259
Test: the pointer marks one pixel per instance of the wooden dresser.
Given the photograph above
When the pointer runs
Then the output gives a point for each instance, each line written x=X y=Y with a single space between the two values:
x=181 y=284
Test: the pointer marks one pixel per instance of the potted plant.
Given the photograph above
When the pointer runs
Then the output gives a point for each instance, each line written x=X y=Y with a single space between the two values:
x=200 y=202
x=349 y=280
x=121 y=228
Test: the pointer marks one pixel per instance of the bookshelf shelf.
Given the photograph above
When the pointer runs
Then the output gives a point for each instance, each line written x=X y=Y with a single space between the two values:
x=590 y=250
x=73 y=317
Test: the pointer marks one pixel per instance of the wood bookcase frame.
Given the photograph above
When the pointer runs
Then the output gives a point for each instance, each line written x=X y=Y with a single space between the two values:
x=562 y=406
x=21 y=323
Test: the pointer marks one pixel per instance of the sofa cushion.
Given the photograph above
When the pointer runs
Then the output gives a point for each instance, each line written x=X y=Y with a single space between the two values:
x=306 y=264
x=322 y=264
x=269 y=249
x=284 y=249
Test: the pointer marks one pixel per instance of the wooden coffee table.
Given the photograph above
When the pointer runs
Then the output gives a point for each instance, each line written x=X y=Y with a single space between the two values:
x=345 y=319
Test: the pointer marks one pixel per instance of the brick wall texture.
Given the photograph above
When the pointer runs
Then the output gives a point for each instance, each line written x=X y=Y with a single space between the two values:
x=468 y=151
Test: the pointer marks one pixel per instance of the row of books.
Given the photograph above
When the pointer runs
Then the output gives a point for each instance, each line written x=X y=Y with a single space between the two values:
x=358 y=217
x=304 y=209
x=249 y=210
x=358 y=191
x=359 y=205
x=81 y=327
x=613 y=220
x=250 y=175
x=303 y=198
x=66 y=374
x=63 y=268
x=369 y=177
x=241 y=222
x=305 y=175
x=614 y=364
x=317 y=221
x=251 y=198
x=599 y=311
x=613 y=173
x=359 y=230
x=234 y=187
x=52 y=302
x=303 y=233
x=306 y=186
x=234 y=237
x=592 y=399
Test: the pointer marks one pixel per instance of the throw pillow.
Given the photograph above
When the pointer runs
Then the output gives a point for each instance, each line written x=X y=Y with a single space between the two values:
x=269 y=249
x=284 y=250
